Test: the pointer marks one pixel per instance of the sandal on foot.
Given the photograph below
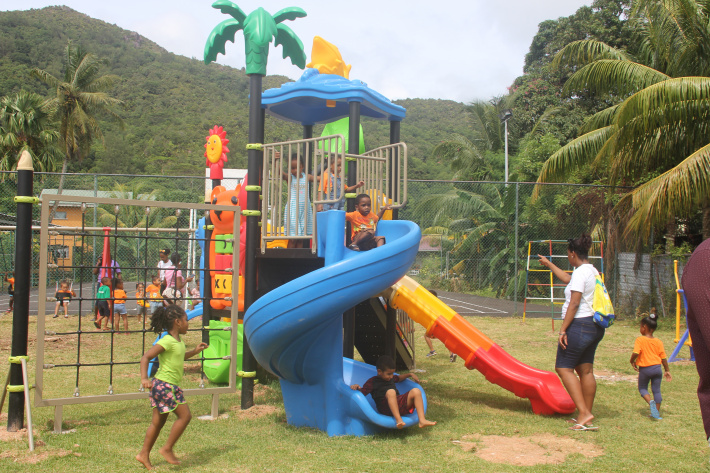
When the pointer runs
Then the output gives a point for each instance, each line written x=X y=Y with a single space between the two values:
x=431 y=353
x=581 y=427
x=97 y=325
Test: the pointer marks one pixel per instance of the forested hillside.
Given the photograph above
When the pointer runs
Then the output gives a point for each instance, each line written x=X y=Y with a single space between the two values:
x=171 y=101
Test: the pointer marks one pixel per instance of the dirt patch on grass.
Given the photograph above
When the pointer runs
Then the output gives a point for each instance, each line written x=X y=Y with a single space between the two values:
x=6 y=436
x=254 y=412
x=610 y=376
x=527 y=451
x=39 y=455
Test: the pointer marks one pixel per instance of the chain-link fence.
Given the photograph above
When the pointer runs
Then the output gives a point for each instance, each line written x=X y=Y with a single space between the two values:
x=475 y=234
x=484 y=237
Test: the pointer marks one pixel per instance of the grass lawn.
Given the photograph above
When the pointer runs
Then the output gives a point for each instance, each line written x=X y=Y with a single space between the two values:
x=481 y=427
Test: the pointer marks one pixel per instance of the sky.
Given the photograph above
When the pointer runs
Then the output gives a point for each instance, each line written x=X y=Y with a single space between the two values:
x=462 y=50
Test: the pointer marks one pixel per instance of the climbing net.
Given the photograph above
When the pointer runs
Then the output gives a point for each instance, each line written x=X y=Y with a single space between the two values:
x=78 y=363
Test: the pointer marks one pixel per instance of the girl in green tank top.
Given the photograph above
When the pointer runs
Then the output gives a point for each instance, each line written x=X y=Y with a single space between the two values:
x=165 y=394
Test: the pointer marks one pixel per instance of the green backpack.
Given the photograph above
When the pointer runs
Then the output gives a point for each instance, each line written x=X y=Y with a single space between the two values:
x=601 y=305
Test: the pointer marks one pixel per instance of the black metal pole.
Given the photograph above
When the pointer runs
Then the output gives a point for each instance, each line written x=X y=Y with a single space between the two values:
x=23 y=268
x=254 y=158
x=353 y=148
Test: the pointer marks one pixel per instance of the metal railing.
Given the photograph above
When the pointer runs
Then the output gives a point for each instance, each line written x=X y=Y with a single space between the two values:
x=313 y=177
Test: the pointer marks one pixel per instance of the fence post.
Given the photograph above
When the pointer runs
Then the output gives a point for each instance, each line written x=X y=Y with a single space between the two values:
x=23 y=268
x=515 y=273
x=93 y=242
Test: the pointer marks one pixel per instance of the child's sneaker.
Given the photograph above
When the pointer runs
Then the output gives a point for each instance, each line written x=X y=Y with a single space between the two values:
x=431 y=353
x=354 y=247
x=654 y=411
x=55 y=316
x=452 y=357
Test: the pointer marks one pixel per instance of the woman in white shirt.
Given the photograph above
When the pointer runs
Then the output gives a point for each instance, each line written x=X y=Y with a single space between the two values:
x=579 y=335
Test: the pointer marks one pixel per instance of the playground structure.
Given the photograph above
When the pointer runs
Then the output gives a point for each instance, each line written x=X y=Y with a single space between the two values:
x=296 y=327
x=680 y=341
x=547 y=279
x=304 y=306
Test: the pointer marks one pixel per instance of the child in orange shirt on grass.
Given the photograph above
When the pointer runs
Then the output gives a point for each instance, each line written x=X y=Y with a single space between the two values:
x=363 y=222
x=119 y=305
x=647 y=358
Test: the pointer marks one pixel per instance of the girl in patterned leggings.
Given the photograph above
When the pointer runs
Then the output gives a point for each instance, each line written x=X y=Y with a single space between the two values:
x=165 y=394
x=647 y=358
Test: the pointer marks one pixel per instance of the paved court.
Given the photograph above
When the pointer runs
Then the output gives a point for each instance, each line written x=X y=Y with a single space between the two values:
x=470 y=305
x=87 y=291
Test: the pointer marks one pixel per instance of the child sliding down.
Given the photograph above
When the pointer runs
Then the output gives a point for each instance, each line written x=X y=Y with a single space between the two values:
x=387 y=399
x=363 y=222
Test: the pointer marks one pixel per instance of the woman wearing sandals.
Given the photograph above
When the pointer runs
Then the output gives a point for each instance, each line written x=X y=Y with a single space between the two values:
x=579 y=335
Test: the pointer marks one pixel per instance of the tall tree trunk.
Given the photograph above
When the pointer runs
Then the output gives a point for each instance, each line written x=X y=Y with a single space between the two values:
x=60 y=188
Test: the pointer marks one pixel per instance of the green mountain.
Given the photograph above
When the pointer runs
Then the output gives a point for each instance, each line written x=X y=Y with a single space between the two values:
x=171 y=101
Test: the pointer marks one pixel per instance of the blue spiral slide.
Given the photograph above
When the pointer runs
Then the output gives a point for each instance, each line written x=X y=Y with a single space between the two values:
x=296 y=330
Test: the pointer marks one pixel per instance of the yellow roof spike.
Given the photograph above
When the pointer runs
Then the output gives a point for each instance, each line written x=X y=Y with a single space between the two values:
x=327 y=59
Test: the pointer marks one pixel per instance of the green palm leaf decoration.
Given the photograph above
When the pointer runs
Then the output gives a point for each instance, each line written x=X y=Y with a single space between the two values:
x=259 y=28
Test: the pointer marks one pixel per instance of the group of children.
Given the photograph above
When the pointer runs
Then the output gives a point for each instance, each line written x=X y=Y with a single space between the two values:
x=298 y=214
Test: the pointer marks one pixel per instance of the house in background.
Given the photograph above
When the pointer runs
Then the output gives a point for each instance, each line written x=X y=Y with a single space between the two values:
x=62 y=247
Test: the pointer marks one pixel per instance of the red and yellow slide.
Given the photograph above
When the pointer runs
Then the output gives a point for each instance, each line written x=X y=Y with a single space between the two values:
x=542 y=388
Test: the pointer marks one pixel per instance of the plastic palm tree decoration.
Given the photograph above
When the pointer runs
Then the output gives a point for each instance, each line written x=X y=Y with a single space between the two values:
x=260 y=28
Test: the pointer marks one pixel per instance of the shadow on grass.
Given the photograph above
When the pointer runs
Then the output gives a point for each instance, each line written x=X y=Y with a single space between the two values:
x=471 y=395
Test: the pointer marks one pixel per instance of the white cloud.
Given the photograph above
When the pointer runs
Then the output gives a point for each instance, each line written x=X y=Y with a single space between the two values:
x=452 y=49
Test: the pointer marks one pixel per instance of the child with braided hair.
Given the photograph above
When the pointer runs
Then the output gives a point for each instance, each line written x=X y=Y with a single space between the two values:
x=165 y=393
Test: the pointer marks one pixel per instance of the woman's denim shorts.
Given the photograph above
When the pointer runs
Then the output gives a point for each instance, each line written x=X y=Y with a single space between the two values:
x=583 y=336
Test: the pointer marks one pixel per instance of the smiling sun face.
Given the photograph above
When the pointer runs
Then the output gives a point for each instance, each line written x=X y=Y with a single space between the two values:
x=216 y=148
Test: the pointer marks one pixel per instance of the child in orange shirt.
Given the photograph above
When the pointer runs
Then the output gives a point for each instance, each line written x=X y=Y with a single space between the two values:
x=119 y=305
x=330 y=186
x=647 y=358
x=363 y=222
x=63 y=296
x=155 y=299
x=11 y=289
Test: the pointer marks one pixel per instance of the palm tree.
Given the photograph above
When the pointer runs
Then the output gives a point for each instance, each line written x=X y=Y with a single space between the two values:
x=260 y=28
x=468 y=156
x=80 y=96
x=482 y=226
x=25 y=124
x=661 y=124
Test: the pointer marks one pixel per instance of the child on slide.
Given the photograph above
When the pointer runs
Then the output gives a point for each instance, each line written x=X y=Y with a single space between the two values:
x=363 y=222
x=387 y=399
x=647 y=358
